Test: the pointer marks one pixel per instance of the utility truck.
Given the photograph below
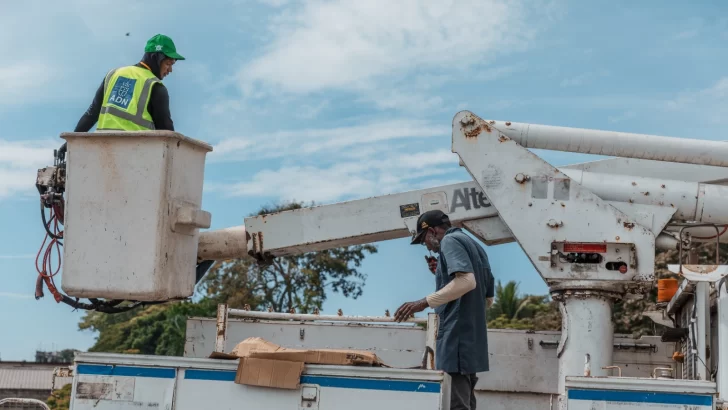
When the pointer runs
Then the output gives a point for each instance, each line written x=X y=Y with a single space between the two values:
x=130 y=204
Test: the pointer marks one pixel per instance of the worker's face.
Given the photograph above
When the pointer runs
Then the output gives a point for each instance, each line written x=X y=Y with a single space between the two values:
x=432 y=240
x=165 y=68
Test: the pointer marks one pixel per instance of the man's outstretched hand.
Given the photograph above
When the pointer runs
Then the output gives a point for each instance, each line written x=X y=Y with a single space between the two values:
x=410 y=308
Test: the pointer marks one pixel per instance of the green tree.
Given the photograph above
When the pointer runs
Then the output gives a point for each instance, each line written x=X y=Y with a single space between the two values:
x=60 y=399
x=525 y=312
x=154 y=330
x=301 y=282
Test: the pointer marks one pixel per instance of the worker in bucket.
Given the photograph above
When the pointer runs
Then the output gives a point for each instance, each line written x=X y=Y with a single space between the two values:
x=464 y=287
x=133 y=98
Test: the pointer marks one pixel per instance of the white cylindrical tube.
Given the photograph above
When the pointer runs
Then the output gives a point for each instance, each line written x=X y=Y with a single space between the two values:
x=665 y=242
x=692 y=201
x=228 y=243
x=683 y=196
x=618 y=144
x=587 y=324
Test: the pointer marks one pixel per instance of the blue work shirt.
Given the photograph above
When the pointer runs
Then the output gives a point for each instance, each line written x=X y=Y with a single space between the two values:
x=462 y=336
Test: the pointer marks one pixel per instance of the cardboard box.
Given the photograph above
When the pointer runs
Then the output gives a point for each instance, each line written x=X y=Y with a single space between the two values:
x=267 y=364
x=279 y=374
x=256 y=347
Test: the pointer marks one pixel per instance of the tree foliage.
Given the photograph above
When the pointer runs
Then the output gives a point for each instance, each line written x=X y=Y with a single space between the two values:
x=528 y=312
x=299 y=282
x=60 y=399
x=524 y=312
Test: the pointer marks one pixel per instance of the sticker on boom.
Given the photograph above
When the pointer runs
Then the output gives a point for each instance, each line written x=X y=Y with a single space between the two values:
x=409 y=210
x=122 y=93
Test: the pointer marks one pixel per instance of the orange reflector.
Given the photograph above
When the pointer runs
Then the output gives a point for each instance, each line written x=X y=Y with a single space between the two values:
x=623 y=269
x=585 y=247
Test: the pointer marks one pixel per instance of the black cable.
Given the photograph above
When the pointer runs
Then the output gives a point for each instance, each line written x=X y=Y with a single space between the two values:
x=202 y=269
x=46 y=223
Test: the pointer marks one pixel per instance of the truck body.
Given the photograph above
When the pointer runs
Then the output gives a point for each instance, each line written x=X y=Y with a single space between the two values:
x=116 y=381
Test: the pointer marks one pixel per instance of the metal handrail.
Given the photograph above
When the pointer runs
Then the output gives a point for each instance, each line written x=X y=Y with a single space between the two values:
x=24 y=401
x=306 y=316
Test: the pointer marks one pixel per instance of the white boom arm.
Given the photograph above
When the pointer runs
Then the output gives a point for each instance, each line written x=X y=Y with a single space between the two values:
x=590 y=235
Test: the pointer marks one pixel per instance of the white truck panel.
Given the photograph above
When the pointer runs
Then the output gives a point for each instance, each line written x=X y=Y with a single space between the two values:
x=396 y=345
x=585 y=393
x=115 y=382
x=523 y=363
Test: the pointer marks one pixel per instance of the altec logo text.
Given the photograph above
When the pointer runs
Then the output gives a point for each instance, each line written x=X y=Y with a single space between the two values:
x=468 y=198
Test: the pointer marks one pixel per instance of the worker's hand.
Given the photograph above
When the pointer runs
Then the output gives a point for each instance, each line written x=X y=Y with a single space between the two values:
x=431 y=263
x=489 y=301
x=409 y=309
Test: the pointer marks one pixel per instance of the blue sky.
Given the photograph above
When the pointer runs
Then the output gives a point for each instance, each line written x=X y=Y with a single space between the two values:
x=293 y=94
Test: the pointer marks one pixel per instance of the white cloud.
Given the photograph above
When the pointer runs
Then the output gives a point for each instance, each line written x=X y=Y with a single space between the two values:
x=327 y=142
x=627 y=115
x=349 y=45
x=22 y=82
x=583 y=79
x=19 y=163
x=708 y=104
x=367 y=176
x=28 y=256
x=16 y=295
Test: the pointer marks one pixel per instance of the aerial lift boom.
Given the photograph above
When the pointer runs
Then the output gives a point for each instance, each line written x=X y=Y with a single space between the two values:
x=591 y=236
x=590 y=231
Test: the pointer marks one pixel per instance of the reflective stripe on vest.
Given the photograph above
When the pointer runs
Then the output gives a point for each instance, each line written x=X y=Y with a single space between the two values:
x=121 y=93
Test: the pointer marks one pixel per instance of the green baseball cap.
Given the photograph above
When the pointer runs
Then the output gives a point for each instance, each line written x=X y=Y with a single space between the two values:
x=162 y=43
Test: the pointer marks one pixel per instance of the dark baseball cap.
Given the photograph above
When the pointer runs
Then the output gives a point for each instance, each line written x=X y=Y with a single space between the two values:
x=429 y=219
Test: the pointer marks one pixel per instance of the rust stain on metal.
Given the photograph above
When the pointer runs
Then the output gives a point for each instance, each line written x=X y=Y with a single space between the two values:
x=646 y=193
x=508 y=123
x=554 y=224
x=563 y=205
x=634 y=183
x=662 y=186
x=487 y=127
x=503 y=138
x=472 y=133
x=629 y=225
x=616 y=238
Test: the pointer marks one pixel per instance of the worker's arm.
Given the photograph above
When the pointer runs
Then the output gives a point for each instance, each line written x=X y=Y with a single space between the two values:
x=463 y=283
x=459 y=267
x=159 y=108
x=89 y=118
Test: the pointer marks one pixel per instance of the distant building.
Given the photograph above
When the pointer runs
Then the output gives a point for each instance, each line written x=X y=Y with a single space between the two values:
x=31 y=380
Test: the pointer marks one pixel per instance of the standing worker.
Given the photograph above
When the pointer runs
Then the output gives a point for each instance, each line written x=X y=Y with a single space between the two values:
x=133 y=98
x=464 y=285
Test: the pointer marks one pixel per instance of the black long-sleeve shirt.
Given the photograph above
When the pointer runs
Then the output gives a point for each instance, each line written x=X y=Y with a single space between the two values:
x=158 y=108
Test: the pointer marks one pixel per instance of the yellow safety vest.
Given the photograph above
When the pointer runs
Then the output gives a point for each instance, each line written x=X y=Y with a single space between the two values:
x=126 y=97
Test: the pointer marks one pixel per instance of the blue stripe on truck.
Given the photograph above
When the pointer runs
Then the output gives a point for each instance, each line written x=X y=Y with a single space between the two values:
x=107 y=370
x=229 y=376
x=641 y=397
x=372 y=384
x=215 y=375
x=329 y=381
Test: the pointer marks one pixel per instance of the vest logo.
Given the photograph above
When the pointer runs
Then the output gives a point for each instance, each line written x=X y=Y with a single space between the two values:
x=468 y=198
x=122 y=93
